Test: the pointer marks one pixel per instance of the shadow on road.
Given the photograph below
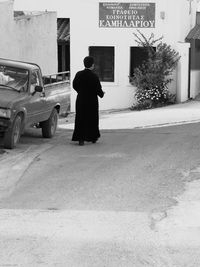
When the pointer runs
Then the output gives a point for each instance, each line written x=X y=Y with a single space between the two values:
x=30 y=137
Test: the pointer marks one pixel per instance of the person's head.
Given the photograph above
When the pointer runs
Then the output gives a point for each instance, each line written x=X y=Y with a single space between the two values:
x=88 y=62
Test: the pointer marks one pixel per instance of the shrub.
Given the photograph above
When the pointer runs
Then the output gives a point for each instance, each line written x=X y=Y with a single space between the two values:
x=153 y=76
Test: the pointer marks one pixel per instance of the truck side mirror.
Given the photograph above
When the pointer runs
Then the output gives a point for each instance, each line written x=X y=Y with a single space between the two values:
x=38 y=88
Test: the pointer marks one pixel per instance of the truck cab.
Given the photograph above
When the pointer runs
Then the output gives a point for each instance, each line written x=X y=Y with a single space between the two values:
x=26 y=101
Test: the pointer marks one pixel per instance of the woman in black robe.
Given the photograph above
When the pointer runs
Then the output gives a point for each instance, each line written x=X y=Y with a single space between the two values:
x=88 y=88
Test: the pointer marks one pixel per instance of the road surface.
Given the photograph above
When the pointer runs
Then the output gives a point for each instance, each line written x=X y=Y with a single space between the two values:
x=132 y=199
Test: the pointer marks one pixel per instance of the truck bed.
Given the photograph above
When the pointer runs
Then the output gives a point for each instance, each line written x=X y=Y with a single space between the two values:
x=58 y=82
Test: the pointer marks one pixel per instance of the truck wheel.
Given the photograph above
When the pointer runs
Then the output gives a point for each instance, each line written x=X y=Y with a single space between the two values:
x=49 y=126
x=12 y=135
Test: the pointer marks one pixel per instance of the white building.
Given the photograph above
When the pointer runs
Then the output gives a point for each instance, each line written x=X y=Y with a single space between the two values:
x=105 y=30
x=30 y=37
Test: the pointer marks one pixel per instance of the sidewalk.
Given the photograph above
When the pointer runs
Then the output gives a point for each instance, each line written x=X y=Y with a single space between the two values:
x=188 y=112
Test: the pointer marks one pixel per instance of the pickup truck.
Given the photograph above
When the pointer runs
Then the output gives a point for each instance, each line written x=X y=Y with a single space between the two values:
x=29 y=99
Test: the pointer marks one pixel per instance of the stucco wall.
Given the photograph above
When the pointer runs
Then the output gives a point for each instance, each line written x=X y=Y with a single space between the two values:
x=36 y=40
x=120 y=93
x=7 y=46
x=30 y=38
x=173 y=21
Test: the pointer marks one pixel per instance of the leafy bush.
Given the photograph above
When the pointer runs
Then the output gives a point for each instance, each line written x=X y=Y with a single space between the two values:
x=153 y=76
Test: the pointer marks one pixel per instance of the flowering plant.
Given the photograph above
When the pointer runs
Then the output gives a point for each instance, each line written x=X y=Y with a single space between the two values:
x=152 y=77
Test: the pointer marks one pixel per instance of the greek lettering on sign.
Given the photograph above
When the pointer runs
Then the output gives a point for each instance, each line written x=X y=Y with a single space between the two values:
x=127 y=15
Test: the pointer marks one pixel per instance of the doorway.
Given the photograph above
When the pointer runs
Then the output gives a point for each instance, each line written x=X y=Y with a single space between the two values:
x=63 y=40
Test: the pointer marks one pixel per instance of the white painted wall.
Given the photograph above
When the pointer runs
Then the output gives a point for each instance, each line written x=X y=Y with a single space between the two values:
x=174 y=27
x=85 y=32
x=31 y=38
x=36 y=40
x=7 y=47
x=182 y=74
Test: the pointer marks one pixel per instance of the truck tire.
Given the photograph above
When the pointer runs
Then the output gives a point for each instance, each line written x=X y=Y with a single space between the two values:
x=12 y=135
x=49 y=126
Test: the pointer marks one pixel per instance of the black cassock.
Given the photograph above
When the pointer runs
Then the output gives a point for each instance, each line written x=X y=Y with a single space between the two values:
x=87 y=85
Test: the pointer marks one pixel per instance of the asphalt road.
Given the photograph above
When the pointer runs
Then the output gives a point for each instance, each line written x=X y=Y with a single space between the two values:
x=119 y=202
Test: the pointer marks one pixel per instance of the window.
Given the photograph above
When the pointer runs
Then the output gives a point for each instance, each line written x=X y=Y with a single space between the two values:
x=138 y=55
x=104 y=62
x=14 y=77
x=35 y=80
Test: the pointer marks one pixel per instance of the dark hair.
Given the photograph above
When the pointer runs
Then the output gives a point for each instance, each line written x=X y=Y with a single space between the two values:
x=88 y=61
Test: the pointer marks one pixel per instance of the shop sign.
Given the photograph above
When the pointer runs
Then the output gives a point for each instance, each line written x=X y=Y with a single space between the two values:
x=126 y=15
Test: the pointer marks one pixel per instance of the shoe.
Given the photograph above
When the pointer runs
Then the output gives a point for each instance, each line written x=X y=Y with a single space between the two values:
x=81 y=143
